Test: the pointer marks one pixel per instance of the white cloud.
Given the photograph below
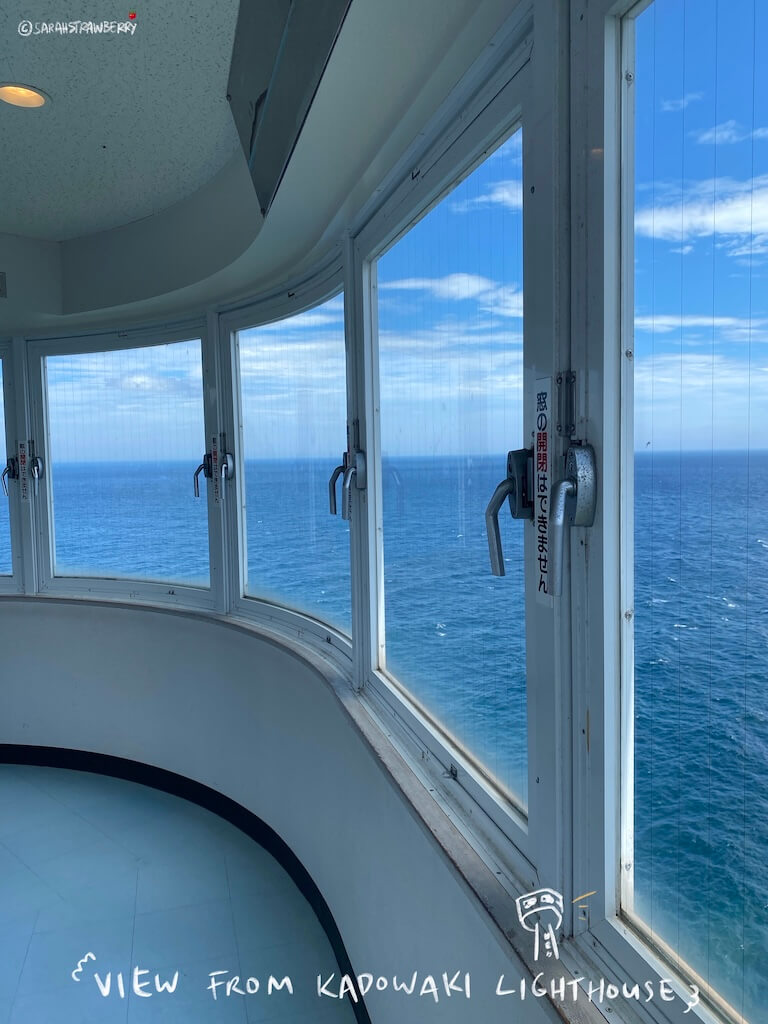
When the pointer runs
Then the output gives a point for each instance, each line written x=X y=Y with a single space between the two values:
x=506 y=300
x=453 y=286
x=669 y=106
x=694 y=400
x=730 y=132
x=508 y=194
x=730 y=327
x=494 y=298
x=750 y=247
x=714 y=208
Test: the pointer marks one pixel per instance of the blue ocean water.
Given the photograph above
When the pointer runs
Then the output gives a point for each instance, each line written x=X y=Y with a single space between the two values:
x=455 y=636
x=701 y=713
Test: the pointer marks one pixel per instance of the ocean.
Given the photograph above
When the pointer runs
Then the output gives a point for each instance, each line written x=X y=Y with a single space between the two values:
x=455 y=636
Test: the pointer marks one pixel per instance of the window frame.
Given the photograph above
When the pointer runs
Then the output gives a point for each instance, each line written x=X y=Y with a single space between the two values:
x=287 y=302
x=603 y=641
x=11 y=583
x=106 y=588
x=520 y=847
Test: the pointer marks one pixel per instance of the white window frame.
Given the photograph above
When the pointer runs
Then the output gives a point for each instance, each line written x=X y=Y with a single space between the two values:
x=146 y=591
x=607 y=943
x=13 y=583
x=525 y=850
x=291 y=300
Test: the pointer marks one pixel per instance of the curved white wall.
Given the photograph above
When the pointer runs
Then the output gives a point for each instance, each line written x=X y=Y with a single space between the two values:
x=259 y=723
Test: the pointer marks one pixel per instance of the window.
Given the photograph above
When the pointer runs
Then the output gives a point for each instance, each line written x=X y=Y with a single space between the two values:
x=5 y=523
x=293 y=414
x=125 y=433
x=700 y=749
x=450 y=336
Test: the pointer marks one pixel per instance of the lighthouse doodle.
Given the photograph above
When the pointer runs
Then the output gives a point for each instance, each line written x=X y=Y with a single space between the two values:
x=541 y=912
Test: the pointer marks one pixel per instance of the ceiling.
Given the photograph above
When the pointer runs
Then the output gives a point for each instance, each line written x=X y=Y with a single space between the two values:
x=164 y=223
x=137 y=123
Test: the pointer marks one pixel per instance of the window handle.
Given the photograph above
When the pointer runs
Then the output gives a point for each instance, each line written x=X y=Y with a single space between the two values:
x=205 y=469
x=227 y=472
x=355 y=471
x=37 y=468
x=572 y=503
x=332 y=483
x=11 y=471
x=517 y=487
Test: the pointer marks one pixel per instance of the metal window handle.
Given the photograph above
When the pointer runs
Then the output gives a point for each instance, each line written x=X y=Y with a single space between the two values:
x=572 y=503
x=11 y=471
x=517 y=487
x=37 y=468
x=227 y=467
x=354 y=471
x=332 y=485
x=205 y=469
x=505 y=490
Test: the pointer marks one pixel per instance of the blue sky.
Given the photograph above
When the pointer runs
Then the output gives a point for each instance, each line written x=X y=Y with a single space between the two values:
x=450 y=293
x=701 y=225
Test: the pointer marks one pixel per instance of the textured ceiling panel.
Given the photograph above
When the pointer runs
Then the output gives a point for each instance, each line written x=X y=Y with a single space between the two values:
x=138 y=121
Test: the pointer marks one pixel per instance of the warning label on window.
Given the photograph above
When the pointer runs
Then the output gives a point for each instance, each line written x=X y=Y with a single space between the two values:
x=23 y=476
x=541 y=473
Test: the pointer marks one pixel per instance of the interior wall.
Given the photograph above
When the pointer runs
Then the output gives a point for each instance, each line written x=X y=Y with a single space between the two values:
x=32 y=269
x=176 y=247
x=261 y=724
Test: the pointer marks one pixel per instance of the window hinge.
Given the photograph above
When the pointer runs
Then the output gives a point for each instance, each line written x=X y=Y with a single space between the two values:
x=566 y=403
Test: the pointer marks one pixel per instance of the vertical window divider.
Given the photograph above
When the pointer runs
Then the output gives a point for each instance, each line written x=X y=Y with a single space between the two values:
x=360 y=433
x=10 y=426
x=33 y=425
x=596 y=347
x=547 y=339
x=626 y=27
x=375 y=565
x=232 y=419
x=585 y=724
x=215 y=423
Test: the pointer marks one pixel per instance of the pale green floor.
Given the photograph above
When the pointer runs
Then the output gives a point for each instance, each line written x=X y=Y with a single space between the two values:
x=140 y=878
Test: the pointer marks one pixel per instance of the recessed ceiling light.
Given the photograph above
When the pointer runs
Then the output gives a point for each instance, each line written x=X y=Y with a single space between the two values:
x=22 y=95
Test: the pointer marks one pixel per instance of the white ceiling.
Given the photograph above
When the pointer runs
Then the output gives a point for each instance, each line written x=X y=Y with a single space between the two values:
x=392 y=67
x=136 y=124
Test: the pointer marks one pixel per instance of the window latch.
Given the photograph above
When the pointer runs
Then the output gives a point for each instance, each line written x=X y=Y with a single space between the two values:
x=332 y=482
x=36 y=468
x=518 y=488
x=206 y=468
x=11 y=472
x=356 y=471
x=227 y=466
x=572 y=503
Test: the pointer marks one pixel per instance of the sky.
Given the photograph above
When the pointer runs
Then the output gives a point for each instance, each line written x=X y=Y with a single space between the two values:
x=701 y=225
x=451 y=294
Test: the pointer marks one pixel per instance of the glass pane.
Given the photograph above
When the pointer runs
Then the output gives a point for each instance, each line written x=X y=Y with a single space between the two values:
x=450 y=308
x=126 y=434
x=294 y=401
x=5 y=525
x=701 y=490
